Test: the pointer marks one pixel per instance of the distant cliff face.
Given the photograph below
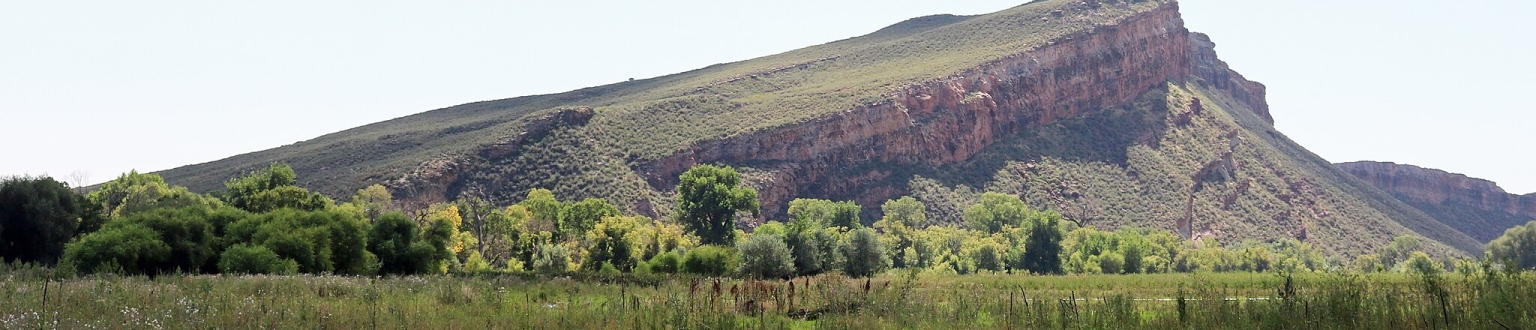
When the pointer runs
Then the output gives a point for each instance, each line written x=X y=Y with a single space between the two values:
x=947 y=121
x=1475 y=206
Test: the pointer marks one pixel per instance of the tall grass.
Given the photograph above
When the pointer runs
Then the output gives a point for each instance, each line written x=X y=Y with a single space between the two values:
x=36 y=299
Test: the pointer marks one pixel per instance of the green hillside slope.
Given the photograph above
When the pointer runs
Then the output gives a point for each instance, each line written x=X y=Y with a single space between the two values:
x=1081 y=106
x=651 y=118
x=1146 y=165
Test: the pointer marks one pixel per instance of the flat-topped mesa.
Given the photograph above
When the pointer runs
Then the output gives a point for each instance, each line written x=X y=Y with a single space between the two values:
x=947 y=121
x=1475 y=206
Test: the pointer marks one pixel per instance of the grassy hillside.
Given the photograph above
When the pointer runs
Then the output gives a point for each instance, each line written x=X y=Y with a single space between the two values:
x=651 y=118
x=1138 y=165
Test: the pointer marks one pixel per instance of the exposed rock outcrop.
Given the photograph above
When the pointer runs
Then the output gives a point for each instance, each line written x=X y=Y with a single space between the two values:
x=1474 y=206
x=947 y=121
x=432 y=181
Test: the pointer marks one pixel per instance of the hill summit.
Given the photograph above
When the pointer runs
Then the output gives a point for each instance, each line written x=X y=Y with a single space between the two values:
x=1111 y=112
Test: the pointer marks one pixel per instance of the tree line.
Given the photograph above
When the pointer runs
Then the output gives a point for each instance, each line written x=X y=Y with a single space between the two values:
x=262 y=223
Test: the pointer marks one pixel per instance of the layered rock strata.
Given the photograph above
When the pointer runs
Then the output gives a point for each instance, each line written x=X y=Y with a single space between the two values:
x=947 y=121
x=1474 y=206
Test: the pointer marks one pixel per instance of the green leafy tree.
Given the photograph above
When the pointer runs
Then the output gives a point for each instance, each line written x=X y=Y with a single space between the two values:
x=160 y=196
x=667 y=262
x=1516 y=249
x=255 y=259
x=906 y=211
x=39 y=215
x=319 y=241
x=129 y=249
x=997 y=211
x=374 y=201
x=1368 y=263
x=903 y=217
x=1399 y=249
x=864 y=255
x=765 y=256
x=111 y=193
x=579 y=217
x=712 y=260
x=810 y=246
x=508 y=241
x=611 y=243
x=391 y=239
x=1420 y=262
x=186 y=231
x=544 y=209
x=708 y=199
x=1042 y=250
x=435 y=246
x=272 y=189
x=988 y=257
x=552 y=259
x=828 y=213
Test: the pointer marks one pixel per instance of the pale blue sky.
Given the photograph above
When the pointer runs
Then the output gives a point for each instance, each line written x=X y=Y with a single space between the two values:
x=107 y=86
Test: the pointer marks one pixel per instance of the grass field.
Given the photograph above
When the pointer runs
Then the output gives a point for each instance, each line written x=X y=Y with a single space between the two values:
x=895 y=300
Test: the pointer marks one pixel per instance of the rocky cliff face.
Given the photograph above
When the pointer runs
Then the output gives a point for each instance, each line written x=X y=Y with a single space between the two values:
x=1475 y=206
x=947 y=121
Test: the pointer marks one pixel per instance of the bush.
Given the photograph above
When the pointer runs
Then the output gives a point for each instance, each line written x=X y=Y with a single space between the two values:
x=130 y=249
x=668 y=263
x=806 y=248
x=133 y=244
x=710 y=260
x=765 y=256
x=864 y=256
x=1111 y=262
x=552 y=259
x=1420 y=263
x=1516 y=249
x=320 y=241
x=186 y=231
x=987 y=258
x=255 y=259
x=391 y=239
x=609 y=269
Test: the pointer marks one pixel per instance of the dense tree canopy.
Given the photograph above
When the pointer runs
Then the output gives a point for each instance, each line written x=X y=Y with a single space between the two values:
x=907 y=211
x=395 y=241
x=708 y=199
x=997 y=211
x=37 y=217
x=264 y=224
x=1516 y=248
x=827 y=213
x=579 y=217
x=320 y=241
x=272 y=189
x=1042 y=251
x=373 y=201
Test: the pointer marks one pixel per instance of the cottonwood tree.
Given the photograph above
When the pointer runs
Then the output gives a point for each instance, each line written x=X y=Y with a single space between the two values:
x=373 y=201
x=1516 y=248
x=38 y=215
x=997 y=211
x=1042 y=249
x=272 y=189
x=828 y=213
x=708 y=198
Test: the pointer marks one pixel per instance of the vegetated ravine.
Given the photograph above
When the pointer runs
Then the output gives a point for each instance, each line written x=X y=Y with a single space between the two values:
x=1110 y=112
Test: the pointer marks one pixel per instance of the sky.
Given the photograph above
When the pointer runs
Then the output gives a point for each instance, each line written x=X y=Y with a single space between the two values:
x=101 y=87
